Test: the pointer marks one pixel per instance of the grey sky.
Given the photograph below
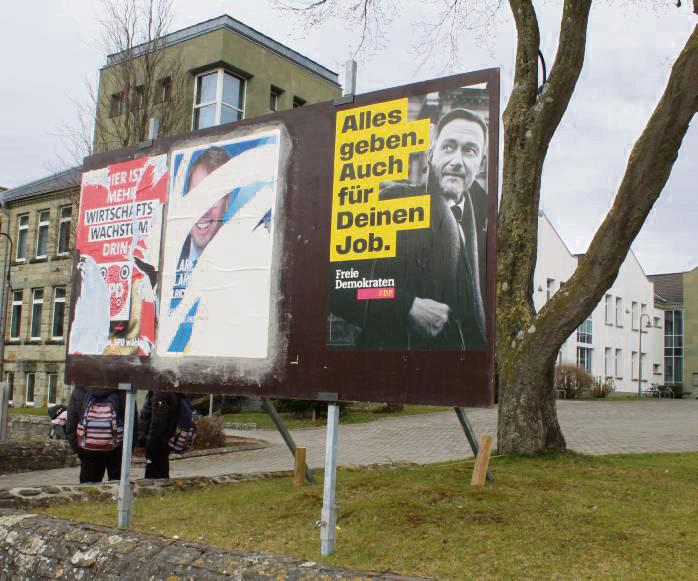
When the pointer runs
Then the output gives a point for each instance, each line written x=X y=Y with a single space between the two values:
x=49 y=46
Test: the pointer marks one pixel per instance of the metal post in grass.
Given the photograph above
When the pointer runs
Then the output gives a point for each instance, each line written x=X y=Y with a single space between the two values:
x=125 y=493
x=328 y=517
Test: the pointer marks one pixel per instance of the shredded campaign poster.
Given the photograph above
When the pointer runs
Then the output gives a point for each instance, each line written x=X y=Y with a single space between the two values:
x=408 y=224
x=118 y=239
x=216 y=282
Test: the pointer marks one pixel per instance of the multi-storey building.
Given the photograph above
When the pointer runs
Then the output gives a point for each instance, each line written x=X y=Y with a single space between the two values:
x=228 y=71
x=676 y=295
x=39 y=217
x=608 y=344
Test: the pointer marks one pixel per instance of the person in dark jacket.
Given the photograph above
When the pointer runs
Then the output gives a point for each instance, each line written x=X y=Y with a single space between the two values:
x=93 y=464
x=157 y=422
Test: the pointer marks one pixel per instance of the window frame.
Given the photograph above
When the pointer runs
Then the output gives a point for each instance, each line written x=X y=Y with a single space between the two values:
x=116 y=104
x=56 y=301
x=608 y=304
x=22 y=229
x=16 y=303
x=218 y=101
x=48 y=388
x=549 y=288
x=40 y=303
x=585 y=362
x=275 y=98
x=67 y=222
x=27 y=401
x=619 y=312
x=619 y=364
x=39 y=225
x=608 y=356
x=583 y=335
x=164 y=94
x=298 y=102
x=10 y=380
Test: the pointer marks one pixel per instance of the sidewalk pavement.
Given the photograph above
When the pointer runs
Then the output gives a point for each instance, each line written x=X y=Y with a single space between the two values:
x=590 y=427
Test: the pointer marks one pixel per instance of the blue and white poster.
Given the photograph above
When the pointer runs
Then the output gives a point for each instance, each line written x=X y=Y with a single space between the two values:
x=216 y=274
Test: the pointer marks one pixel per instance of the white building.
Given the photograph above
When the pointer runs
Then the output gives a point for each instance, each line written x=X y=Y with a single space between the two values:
x=608 y=342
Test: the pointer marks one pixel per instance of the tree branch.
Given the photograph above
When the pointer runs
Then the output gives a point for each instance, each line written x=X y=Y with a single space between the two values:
x=562 y=81
x=648 y=169
x=523 y=95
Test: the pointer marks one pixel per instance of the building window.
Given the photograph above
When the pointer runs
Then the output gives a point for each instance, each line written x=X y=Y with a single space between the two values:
x=58 y=312
x=52 y=388
x=16 y=322
x=30 y=384
x=116 y=104
x=584 y=331
x=298 y=102
x=138 y=97
x=633 y=365
x=274 y=96
x=673 y=346
x=608 y=309
x=64 y=229
x=10 y=378
x=22 y=230
x=219 y=98
x=635 y=316
x=164 y=94
x=658 y=322
x=549 y=288
x=619 y=312
x=37 y=307
x=657 y=369
x=42 y=234
x=619 y=364
x=608 y=362
x=584 y=358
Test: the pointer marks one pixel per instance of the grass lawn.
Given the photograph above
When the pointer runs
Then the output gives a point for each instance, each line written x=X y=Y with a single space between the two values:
x=618 y=517
x=263 y=420
x=29 y=411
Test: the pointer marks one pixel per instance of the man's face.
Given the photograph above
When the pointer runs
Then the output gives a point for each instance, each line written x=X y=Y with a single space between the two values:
x=206 y=227
x=457 y=157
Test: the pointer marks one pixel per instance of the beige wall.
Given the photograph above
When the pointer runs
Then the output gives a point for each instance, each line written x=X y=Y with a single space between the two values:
x=46 y=355
x=260 y=66
x=690 y=332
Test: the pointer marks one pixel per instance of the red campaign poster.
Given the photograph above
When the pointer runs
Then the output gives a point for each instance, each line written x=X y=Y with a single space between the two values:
x=118 y=238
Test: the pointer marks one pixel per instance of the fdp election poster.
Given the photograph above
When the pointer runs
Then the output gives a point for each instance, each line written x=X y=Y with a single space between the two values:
x=217 y=261
x=118 y=239
x=409 y=224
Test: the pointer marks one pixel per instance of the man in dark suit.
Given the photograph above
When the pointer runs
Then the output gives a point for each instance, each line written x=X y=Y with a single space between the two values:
x=439 y=271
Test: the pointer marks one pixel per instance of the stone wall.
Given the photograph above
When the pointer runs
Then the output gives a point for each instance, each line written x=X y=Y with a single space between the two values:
x=27 y=456
x=24 y=428
x=42 y=547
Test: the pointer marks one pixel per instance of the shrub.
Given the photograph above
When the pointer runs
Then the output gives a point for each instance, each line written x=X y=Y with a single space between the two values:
x=303 y=408
x=602 y=387
x=675 y=388
x=573 y=380
x=209 y=433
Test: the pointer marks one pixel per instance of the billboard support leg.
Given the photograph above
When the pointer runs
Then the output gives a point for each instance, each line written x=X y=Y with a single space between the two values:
x=125 y=492
x=285 y=434
x=470 y=435
x=328 y=517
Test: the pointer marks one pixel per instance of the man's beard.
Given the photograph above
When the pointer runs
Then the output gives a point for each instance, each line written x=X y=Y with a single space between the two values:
x=452 y=189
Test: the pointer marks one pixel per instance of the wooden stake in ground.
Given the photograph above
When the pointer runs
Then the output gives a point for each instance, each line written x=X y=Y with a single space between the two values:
x=482 y=461
x=299 y=467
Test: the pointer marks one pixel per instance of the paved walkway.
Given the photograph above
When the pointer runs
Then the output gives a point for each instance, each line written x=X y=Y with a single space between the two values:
x=591 y=427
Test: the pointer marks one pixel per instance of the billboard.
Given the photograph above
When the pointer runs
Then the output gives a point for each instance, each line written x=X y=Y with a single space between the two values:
x=343 y=250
